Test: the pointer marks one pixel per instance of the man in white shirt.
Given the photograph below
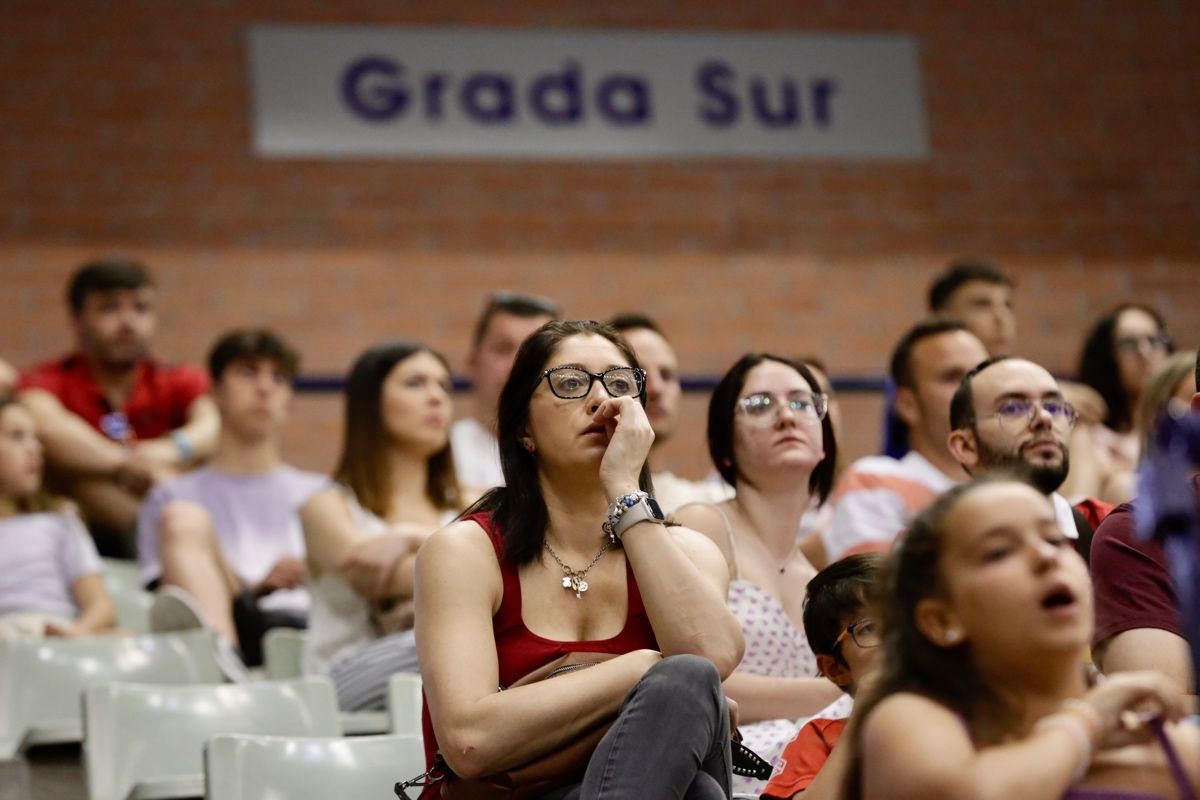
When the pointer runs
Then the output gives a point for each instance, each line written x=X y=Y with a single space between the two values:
x=507 y=320
x=877 y=496
x=1010 y=414
x=663 y=392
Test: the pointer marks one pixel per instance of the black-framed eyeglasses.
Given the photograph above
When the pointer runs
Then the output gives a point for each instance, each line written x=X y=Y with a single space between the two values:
x=572 y=383
x=1152 y=342
x=1016 y=413
x=764 y=408
x=864 y=632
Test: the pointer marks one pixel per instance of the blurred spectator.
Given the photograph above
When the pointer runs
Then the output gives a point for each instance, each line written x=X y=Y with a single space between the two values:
x=113 y=419
x=8 y=377
x=981 y=297
x=663 y=393
x=878 y=495
x=507 y=319
x=50 y=574
x=224 y=543
x=1138 y=624
x=396 y=485
x=1118 y=355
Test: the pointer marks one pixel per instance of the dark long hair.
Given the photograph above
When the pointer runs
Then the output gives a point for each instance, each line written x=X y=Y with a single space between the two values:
x=518 y=507
x=363 y=464
x=723 y=405
x=913 y=663
x=1098 y=366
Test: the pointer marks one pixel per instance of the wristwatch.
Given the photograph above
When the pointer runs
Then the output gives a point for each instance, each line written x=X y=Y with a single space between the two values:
x=630 y=509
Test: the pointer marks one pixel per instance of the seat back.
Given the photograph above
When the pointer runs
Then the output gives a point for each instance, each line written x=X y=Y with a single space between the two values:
x=283 y=653
x=41 y=680
x=130 y=599
x=239 y=767
x=404 y=702
x=132 y=607
x=149 y=740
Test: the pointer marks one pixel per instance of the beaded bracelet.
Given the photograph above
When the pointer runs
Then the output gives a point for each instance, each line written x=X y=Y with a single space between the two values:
x=1074 y=726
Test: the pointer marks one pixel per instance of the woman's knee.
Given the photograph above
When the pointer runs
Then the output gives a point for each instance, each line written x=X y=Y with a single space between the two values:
x=693 y=678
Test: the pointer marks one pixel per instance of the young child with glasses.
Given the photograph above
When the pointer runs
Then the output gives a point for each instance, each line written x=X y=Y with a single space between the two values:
x=845 y=639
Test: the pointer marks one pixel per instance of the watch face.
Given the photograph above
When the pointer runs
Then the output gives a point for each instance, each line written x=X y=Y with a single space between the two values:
x=655 y=508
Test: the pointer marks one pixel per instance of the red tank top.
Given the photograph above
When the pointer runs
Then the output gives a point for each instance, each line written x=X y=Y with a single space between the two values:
x=520 y=651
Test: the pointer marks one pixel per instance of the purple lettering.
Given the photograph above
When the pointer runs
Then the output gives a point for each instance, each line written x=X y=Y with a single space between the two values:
x=370 y=89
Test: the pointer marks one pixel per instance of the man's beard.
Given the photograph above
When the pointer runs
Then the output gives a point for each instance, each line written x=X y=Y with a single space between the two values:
x=1046 y=478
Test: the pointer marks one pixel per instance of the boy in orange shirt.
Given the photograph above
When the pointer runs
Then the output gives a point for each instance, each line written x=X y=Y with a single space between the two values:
x=846 y=641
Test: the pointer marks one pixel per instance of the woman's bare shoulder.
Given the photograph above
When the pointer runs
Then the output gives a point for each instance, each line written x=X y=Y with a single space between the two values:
x=708 y=519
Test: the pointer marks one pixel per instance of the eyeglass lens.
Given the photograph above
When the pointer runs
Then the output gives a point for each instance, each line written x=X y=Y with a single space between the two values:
x=764 y=406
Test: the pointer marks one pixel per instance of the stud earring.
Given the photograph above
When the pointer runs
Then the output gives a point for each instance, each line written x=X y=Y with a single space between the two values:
x=953 y=635
x=529 y=446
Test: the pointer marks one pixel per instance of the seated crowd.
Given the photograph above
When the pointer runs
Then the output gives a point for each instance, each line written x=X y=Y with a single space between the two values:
x=588 y=624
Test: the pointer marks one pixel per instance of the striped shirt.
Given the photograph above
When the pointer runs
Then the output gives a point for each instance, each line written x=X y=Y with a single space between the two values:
x=876 y=498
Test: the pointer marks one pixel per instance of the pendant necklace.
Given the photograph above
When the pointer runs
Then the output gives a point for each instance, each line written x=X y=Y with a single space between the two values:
x=573 y=580
x=788 y=557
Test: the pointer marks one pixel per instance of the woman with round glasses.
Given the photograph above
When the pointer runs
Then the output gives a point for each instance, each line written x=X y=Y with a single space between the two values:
x=569 y=569
x=1120 y=352
x=771 y=439
x=983 y=688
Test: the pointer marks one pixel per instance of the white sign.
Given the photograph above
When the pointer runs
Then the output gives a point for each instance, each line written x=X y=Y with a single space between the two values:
x=436 y=92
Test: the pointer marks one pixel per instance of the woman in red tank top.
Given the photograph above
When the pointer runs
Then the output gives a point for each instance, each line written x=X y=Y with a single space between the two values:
x=572 y=557
x=983 y=692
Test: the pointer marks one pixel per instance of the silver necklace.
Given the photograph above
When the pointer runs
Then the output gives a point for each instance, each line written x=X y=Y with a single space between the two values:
x=573 y=580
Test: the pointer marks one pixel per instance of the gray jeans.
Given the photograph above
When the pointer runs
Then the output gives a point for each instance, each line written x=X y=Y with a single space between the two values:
x=670 y=740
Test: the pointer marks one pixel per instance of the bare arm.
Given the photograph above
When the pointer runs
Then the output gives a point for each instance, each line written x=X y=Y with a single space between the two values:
x=942 y=762
x=761 y=697
x=71 y=444
x=376 y=567
x=480 y=729
x=1147 y=648
x=164 y=454
x=683 y=581
x=96 y=613
x=202 y=427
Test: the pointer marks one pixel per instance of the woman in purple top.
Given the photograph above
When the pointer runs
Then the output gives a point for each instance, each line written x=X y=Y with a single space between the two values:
x=50 y=574
x=984 y=689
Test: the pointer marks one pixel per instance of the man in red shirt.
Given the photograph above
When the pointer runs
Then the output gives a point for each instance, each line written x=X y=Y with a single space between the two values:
x=114 y=420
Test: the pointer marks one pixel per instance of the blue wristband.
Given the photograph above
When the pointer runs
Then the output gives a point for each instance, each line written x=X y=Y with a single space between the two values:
x=184 y=446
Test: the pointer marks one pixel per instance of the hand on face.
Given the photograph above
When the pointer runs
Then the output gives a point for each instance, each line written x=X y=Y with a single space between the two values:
x=629 y=439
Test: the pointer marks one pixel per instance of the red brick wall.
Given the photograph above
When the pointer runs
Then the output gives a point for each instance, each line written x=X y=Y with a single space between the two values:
x=1064 y=145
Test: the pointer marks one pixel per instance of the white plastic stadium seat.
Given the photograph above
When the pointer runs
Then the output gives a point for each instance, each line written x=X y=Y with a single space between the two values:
x=240 y=767
x=404 y=703
x=41 y=681
x=143 y=741
x=130 y=600
x=283 y=653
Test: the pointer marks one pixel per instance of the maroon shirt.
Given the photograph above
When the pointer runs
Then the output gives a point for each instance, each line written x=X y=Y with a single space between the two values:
x=157 y=405
x=1131 y=579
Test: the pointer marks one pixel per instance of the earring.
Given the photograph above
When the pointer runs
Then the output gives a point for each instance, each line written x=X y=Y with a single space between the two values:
x=953 y=635
x=529 y=446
